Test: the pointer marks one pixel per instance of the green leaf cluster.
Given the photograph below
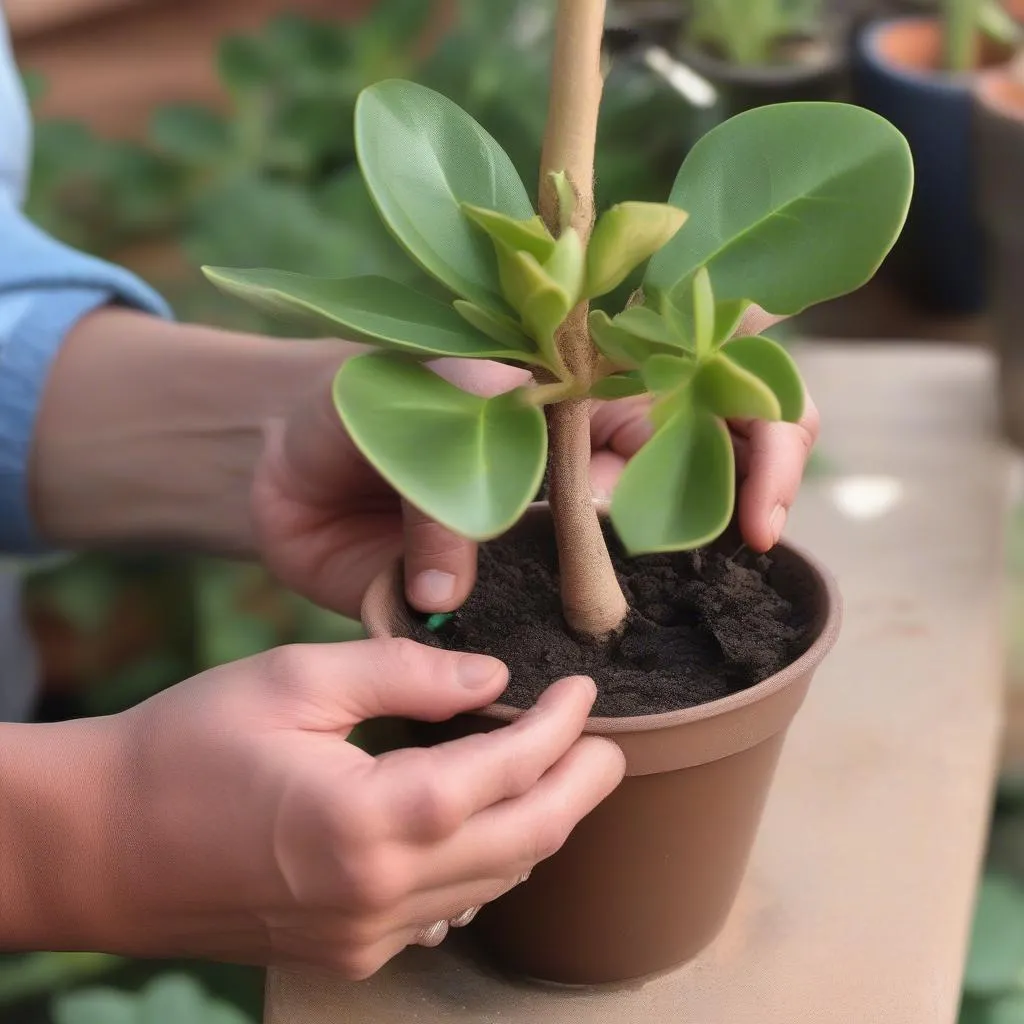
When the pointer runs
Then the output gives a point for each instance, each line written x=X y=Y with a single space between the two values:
x=782 y=206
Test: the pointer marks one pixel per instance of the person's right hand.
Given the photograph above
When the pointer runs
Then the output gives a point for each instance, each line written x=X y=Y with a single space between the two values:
x=242 y=826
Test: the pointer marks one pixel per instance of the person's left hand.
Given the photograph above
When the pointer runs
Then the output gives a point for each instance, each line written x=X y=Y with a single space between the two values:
x=327 y=524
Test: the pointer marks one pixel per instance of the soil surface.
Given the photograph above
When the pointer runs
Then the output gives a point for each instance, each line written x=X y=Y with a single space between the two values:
x=702 y=625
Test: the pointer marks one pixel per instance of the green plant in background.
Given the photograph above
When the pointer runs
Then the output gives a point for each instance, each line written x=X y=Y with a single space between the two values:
x=966 y=22
x=752 y=218
x=169 y=999
x=748 y=32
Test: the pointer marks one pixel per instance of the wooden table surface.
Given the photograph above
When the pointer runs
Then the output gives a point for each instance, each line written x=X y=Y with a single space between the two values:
x=857 y=904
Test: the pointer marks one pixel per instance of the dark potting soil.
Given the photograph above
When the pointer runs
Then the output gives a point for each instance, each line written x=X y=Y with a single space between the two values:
x=702 y=625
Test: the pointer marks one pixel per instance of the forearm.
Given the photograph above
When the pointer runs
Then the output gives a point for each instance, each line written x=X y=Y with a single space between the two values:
x=57 y=784
x=148 y=431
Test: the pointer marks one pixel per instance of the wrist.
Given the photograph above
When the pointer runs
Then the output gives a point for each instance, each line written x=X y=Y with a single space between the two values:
x=59 y=835
x=149 y=431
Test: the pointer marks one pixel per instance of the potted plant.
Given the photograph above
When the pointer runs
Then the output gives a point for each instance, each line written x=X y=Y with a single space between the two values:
x=999 y=137
x=917 y=72
x=702 y=654
x=757 y=52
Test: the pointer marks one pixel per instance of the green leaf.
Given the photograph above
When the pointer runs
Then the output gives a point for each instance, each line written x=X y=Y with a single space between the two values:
x=172 y=999
x=473 y=464
x=664 y=374
x=618 y=385
x=371 y=309
x=529 y=235
x=501 y=329
x=728 y=316
x=623 y=347
x=541 y=302
x=678 y=491
x=566 y=265
x=567 y=199
x=773 y=191
x=422 y=158
x=623 y=238
x=646 y=323
x=769 y=361
x=191 y=134
x=703 y=313
x=95 y=1006
x=727 y=390
x=995 y=964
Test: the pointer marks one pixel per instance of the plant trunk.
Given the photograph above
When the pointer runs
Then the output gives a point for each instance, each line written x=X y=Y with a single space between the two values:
x=592 y=600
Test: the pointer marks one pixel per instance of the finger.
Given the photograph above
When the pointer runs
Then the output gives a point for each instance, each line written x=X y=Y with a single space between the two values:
x=756 y=321
x=776 y=456
x=334 y=686
x=511 y=837
x=440 y=566
x=435 y=791
x=448 y=902
x=481 y=376
x=605 y=469
x=622 y=426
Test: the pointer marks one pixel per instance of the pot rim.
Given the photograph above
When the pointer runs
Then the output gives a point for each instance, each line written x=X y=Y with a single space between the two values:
x=869 y=45
x=770 y=75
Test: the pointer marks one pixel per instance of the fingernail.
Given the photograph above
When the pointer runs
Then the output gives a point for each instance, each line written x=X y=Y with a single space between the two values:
x=432 y=589
x=475 y=671
x=777 y=522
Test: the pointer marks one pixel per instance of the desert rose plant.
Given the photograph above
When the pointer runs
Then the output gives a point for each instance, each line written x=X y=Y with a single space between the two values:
x=781 y=207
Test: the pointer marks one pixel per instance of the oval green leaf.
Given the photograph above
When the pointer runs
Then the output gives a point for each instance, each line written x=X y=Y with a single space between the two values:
x=371 y=309
x=727 y=390
x=472 y=464
x=529 y=235
x=422 y=157
x=679 y=490
x=623 y=347
x=789 y=205
x=769 y=361
x=618 y=385
x=623 y=238
x=664 y=374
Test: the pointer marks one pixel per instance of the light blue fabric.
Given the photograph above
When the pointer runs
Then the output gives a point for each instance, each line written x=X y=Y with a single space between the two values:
x=45 y=288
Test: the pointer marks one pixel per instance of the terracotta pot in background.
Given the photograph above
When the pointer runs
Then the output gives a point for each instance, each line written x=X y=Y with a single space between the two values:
x=647 y=880
x=999 y=137
x=940 y=255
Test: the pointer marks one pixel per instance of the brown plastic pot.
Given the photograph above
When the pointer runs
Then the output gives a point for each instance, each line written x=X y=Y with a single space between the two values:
x=646 y=880
x=999 y=143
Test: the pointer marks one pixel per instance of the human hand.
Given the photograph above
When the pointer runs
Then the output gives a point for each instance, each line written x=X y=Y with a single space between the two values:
x=327 y=523
x=238 y=823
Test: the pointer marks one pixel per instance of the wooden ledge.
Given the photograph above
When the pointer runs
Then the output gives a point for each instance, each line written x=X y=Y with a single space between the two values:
x=859 y=897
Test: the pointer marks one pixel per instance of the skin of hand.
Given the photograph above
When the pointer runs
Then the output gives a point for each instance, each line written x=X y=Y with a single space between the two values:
x=230 y=818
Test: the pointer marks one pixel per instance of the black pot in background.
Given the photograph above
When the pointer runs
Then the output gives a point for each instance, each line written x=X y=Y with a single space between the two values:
x=940 y=255
x=809 y=68
x=999 y=140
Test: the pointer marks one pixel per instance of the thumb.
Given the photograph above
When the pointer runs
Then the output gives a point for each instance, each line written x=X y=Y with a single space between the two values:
x=341 y=685
x=440 y=566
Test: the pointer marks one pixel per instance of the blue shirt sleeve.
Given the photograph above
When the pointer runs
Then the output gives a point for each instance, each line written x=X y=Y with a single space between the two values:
x=45 y=289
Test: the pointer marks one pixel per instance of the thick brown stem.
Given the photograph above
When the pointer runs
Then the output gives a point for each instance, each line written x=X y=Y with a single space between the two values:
x=592 y=600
